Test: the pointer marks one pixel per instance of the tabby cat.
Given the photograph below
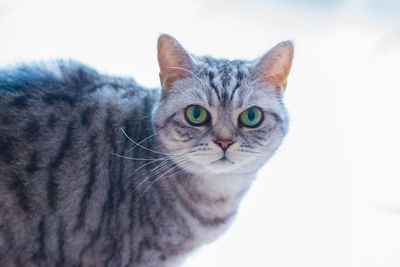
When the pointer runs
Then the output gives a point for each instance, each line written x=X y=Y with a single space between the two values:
x=99 y=171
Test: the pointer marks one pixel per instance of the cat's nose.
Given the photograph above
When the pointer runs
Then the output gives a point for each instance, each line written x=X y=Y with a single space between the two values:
x=224 y=144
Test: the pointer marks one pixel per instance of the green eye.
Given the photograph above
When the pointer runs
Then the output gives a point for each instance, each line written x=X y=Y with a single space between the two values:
x=251 y=117
x=197 y=115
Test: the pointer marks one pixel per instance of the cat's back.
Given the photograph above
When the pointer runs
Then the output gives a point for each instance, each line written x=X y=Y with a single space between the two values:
x=49 y=108
x=37 y=102
x=58 y=83
x=38 y=98
x=43 y=104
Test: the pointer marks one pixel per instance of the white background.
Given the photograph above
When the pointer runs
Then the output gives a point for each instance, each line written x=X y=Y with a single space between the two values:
x=331 y=195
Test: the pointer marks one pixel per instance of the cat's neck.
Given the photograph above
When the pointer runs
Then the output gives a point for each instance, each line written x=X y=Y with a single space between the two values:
x=228 y=185
x=210 y=203
x=226 y=190
x=215 y=197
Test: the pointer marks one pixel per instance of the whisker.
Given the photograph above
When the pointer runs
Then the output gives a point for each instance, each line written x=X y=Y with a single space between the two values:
x=177 y=68
x=161 y=167
x=158 y=178
x=197 y=77
x=139 y=145
x=141 y=142
x=164 y=165
x=148 y=177
x=258 y=152
x=143 y=166
x=125 y=157
x=249 y=151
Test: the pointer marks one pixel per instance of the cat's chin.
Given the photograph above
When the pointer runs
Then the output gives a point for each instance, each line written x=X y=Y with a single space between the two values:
x=224 y=161
x=219 y=166
x=223 y=166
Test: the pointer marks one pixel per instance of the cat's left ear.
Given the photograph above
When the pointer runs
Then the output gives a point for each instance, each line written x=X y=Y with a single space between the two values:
x=273 y=68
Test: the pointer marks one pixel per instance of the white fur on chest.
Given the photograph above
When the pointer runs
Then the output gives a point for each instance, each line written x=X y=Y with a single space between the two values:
x=227 y=191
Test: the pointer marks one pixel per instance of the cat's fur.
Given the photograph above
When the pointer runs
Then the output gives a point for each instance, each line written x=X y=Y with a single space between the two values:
x=76 y=188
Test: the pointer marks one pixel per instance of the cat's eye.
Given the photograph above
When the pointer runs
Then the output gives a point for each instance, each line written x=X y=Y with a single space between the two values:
x=197 y=115
x=251 y=117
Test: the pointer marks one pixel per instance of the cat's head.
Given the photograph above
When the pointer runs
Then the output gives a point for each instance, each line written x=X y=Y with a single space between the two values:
x=220 y=116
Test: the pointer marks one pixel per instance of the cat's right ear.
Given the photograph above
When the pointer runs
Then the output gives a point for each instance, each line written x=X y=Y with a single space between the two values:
x=175 y=63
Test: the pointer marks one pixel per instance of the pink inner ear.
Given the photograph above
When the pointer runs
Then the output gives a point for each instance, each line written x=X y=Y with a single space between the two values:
x=175 y=63
x=170 y=76
x=274 y=67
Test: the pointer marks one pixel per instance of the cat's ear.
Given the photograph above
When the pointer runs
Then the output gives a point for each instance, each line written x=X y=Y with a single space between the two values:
x=273 y=68
x=175 y=63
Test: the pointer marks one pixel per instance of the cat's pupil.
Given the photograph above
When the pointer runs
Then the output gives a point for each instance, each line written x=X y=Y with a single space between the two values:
x=196 y=112
x=251 y=115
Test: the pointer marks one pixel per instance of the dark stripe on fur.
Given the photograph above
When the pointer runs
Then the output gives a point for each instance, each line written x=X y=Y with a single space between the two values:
x=225 y=78
x=60 y=243
x=87 y=193
x=31 y=131
x=20 y=102
x=239 y=78
x=52 y=184
x=51 y=121
x=225 y=81
x=211 y=78
x=149 y=219
x=6 y=119
x=7 y=148
x=19 y=187
x=224 y=97
x=33 y=165
x=53 y=99
x=87 y=116
x=40 y=253
x=143 y=245
x=109 y=207
x=120 y=184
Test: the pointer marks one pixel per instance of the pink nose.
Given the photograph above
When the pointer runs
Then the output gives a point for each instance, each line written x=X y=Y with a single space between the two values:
x=224 y=143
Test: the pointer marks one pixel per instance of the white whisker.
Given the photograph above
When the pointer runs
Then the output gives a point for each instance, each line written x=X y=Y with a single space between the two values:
x=257 y=152
x=177 y=68
x=139 y=145
x=132 y=158
x=141 y=142
x=197 y=77
x=165 y=164
x=153 y=172
x=158 y=178
x=143 y=166
x=161 y=167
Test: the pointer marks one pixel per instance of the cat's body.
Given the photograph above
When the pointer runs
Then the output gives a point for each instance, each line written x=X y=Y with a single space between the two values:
x=75 y=188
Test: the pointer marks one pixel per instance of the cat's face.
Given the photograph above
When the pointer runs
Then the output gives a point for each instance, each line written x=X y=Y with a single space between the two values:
x=218 y=116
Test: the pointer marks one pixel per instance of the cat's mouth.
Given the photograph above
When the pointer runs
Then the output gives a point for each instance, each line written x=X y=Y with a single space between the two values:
x=223 y=160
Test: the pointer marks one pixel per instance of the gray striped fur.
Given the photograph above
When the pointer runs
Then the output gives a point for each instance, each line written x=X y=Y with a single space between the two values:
x=75 y=190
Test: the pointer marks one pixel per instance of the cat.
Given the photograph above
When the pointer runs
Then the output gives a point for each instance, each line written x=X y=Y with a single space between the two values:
x=98 y=171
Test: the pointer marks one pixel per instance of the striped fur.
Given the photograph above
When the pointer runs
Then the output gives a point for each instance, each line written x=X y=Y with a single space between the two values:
x=75 y=190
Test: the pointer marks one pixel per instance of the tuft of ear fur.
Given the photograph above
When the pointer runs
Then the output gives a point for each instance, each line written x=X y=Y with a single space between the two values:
x=175 y=63
x=273 y=68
